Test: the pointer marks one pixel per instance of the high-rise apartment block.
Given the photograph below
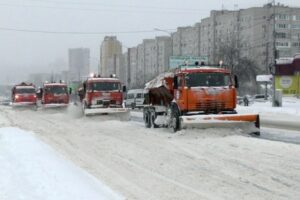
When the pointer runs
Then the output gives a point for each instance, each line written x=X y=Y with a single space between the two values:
x=255 y=32
x=110 y=56
x=79 y=64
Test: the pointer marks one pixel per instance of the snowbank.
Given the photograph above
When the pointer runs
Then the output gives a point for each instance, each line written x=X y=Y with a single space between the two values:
x=31 y=170
x=290 y=106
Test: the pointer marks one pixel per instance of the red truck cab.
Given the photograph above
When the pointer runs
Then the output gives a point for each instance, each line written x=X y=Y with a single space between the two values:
x=24 y=94
x=103 y=92
x=103 y=95
x=55 y=94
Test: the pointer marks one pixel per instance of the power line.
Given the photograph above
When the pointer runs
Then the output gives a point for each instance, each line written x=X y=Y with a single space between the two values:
x=100 y=10
x=119 y=5
x=78 y=33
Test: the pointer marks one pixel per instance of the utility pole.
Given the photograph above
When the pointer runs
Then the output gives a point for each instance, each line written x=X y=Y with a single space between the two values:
x=274 y=55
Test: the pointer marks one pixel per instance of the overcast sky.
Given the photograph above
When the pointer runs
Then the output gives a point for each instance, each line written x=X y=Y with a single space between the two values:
x=22 y=52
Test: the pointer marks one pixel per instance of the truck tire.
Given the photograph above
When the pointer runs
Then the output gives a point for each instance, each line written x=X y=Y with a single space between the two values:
x=133 y=106
x=175 y=122
x=153 y=117
x=147 y=119
x=257 y=133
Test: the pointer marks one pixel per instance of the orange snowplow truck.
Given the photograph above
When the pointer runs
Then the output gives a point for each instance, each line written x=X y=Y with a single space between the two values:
x=101 y=95
x=24 y=94
x=195 y=96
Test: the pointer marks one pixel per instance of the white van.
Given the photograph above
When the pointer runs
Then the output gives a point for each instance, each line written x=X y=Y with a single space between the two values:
x=135 y=98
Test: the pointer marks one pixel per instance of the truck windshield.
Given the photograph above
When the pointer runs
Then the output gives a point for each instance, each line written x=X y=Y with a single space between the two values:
x=207 y=80
x=56 y=90
x=25 y=90
x=105 y=86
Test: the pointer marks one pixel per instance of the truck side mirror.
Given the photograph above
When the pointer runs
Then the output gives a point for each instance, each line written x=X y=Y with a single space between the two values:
x=175 y=82
x=124 y=88
x=236 y=81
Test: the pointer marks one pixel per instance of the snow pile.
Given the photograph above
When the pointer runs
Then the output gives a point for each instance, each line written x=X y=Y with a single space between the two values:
x=290 y=105
x=158 y=81
x=285 y=117
x=30 y=170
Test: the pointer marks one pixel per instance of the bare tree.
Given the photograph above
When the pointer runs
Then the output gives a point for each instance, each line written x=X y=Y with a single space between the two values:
x=230 y=51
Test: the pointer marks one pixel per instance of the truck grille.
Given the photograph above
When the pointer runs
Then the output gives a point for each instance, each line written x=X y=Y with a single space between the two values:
x=58 y=101
x=106 y=102
x=210 y=105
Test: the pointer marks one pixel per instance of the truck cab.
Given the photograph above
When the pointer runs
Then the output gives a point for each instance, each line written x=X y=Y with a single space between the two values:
x=55 y=94
x=103 y=95
x=23 y=94
x=206 y=90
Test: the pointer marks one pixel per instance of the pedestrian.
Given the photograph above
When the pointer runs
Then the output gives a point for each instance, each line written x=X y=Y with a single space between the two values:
x=246 y=101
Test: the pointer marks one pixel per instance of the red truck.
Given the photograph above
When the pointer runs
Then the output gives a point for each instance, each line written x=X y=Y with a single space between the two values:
x=55 y=95
x=24 y=94
x=100 y=95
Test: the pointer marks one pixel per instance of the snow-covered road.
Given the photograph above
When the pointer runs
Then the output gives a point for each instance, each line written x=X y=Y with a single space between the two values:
x=156 y=164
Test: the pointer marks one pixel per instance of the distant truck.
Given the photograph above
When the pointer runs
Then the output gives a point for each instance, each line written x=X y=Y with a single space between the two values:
x=55 y=95
x=23 y=94
x=195 y=96
x=103 y=95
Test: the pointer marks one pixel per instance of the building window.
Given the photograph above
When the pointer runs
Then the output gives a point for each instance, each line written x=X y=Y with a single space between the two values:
x=282 y=26
x=297 y=17
x=296 y=26
x=296 y=44
x=282 y=44
x=282 y=17
x=280 y=35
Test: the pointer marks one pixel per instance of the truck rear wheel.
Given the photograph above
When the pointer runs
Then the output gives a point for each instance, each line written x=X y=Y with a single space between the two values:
x=153 y=118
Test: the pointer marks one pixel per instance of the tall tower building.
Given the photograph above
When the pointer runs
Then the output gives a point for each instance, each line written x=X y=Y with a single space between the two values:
x=110 y=56
x=79 y=63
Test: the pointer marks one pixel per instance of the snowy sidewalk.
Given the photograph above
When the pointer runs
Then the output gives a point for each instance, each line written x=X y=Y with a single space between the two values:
x=285 y=117
x=31 y=170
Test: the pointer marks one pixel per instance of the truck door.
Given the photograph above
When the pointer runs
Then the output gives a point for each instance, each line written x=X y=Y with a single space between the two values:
x=179 y=94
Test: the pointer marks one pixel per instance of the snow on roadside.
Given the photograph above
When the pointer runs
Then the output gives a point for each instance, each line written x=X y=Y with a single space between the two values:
x=290 y=106
x=31 y=170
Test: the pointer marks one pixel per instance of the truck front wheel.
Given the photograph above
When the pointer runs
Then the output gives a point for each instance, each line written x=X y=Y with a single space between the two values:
x=175 y=122
x=147 y=119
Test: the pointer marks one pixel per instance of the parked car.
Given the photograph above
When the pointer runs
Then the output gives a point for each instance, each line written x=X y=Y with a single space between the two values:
x=135 y=98
x=260 y=98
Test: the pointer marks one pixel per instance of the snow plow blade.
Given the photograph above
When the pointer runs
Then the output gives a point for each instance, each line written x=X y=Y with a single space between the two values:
x=55 y=105
x=226 y=121
x=120 y=113
x=95 y=111
x=22 y=104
